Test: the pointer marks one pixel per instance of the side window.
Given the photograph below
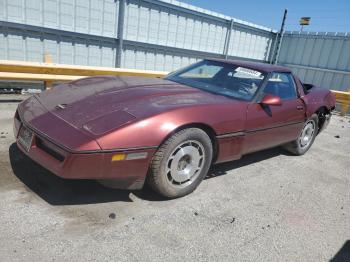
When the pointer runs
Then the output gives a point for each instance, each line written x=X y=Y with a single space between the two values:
x=282 y=85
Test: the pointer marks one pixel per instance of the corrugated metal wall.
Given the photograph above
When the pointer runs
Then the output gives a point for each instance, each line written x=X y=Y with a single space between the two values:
x=247 y=43
x=69 y=30
x=155 y=59
x=97 y=17
x=319 y=58
x=160 y=35
x=149 y=23
x=27 y=45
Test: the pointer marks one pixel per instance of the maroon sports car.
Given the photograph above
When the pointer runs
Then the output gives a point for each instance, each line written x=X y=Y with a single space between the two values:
x=124 y=131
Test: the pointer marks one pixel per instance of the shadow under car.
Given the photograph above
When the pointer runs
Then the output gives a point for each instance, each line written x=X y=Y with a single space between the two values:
x=58 y=191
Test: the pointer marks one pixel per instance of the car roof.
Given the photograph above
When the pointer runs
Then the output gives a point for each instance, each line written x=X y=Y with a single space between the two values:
x=263 y=67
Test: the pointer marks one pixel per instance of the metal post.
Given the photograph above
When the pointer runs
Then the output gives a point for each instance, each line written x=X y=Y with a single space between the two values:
x=272 y=54
x=227 y=39
x=48 y=60
x=279 y=48
x=121 y=15
x=275 y=56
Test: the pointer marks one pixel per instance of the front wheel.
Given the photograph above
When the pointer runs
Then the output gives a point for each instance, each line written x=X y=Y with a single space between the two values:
x=306 y=137
x=181 y=163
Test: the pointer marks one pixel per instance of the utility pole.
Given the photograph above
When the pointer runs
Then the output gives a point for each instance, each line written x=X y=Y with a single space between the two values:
x=278 y=42
x=227 y=39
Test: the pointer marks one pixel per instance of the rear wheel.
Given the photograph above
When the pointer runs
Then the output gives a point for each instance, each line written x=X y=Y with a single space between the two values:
x=181 y=163
x=306 y=137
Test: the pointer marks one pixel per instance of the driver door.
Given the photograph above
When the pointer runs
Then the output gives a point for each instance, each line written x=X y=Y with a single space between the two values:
x=269 y=126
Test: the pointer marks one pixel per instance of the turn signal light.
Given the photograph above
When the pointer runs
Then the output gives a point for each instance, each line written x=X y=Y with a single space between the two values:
x=130 y=156
x=118 y=157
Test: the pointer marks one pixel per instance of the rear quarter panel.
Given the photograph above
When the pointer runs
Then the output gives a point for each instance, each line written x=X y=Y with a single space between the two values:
x=317 y=98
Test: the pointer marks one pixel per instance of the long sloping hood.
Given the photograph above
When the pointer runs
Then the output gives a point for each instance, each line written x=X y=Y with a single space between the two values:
x=81 y=115
x=99 y=104
x=33 y=114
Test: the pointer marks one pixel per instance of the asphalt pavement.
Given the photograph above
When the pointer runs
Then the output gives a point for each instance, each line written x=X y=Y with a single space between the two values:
x=267 y=206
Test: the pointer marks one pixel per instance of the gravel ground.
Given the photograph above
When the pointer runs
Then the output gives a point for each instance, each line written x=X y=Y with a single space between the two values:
x=268 y=206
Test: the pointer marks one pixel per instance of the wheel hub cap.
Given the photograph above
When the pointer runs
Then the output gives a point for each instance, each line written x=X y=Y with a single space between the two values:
x=185 y=162
x=307 y=134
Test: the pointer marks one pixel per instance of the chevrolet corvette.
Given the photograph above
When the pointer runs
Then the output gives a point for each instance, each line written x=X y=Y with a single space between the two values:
x=167 y=132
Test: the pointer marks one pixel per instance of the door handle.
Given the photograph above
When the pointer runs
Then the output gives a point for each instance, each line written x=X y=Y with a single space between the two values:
x=300 y=107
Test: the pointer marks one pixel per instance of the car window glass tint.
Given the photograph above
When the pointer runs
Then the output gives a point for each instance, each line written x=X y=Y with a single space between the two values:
x=204 y=71
x=281 y=85
x=220 y=78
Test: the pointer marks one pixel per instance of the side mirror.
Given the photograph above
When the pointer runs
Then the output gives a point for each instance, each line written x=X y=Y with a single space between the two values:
x=271 y=100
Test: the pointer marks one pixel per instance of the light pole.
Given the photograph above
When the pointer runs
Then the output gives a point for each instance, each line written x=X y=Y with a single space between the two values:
x=278 y=41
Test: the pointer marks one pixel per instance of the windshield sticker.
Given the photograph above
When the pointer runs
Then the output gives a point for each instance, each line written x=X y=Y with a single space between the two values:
x=248 y=71
x=275 y=80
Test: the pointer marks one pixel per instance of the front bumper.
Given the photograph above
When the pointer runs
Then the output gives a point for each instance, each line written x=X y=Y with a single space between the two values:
x=125 y=174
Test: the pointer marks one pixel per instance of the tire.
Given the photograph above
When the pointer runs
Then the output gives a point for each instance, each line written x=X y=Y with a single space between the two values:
x=306 y=137
x=181 y=163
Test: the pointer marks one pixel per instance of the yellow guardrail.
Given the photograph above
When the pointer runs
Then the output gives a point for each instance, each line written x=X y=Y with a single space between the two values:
x=37 y=77
x=62 y=69
x=344 y=99
x=50 y=72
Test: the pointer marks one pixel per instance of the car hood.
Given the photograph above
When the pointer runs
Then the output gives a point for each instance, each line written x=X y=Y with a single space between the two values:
x=100 y=104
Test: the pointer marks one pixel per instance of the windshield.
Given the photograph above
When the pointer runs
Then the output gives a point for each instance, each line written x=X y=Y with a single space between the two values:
x=220 y=78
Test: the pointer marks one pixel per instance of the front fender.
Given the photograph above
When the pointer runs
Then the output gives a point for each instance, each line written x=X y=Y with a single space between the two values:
x=150 y=132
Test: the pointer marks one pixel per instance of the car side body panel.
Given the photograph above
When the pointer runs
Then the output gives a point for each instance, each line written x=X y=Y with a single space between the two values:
x=269 y=126
x=316 y=98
